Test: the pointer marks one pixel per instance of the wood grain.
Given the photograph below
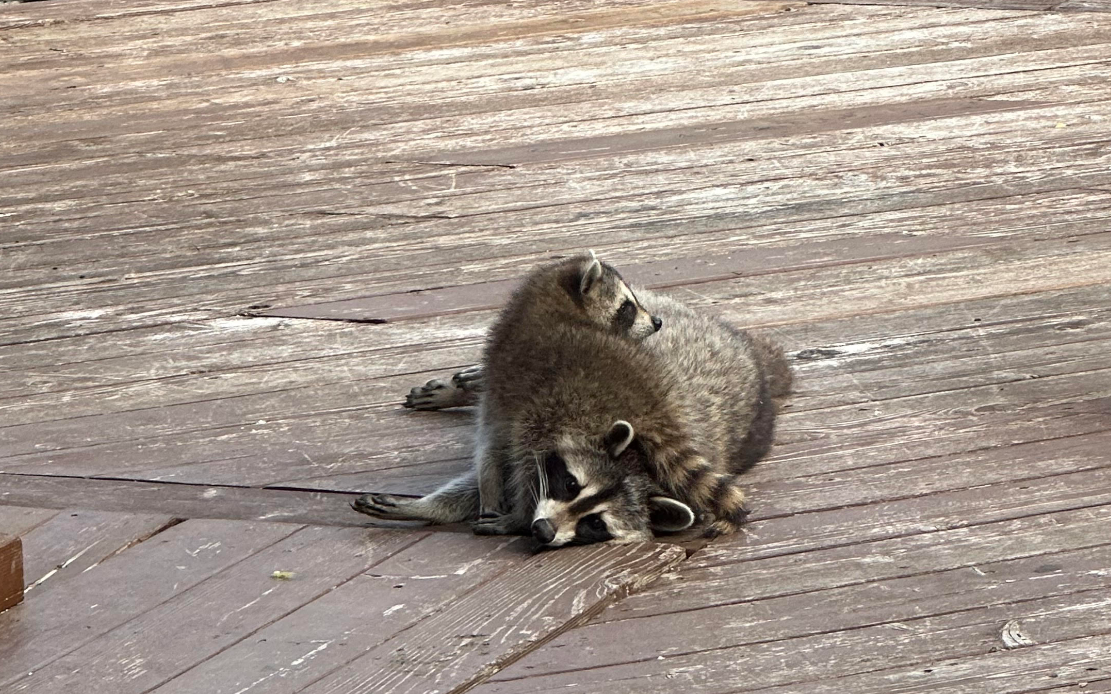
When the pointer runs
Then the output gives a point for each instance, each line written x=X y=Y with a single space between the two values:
x=493 y=626
x=217 y=612
x=51 y=624
x=11 y=571
x=74 y=541
x=382 y=603
x=913 y=200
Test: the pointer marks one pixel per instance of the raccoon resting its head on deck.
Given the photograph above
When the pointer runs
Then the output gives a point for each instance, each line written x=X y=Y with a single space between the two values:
x=562 y=387
x=584 y=493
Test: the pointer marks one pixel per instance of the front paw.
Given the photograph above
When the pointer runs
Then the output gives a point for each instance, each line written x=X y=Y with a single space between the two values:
x=384 y=506
x=472 y=378
x=431 y=396
x=496 y=524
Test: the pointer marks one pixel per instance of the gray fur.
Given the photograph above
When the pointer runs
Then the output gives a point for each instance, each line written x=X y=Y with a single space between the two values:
x=698 y=399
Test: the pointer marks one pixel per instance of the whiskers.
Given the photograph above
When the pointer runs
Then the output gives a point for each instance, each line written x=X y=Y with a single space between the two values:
x=541 y=479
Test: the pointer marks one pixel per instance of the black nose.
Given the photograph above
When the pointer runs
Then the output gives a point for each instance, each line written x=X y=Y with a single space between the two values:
x=543 y=531
x=657 y=323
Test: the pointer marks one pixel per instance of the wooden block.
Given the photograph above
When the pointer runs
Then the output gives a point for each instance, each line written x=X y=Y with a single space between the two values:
x=11 y=571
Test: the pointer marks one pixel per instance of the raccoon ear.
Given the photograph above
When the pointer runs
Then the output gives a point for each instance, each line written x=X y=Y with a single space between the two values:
x=667 y=515
x=619 y=437
x=592 y=272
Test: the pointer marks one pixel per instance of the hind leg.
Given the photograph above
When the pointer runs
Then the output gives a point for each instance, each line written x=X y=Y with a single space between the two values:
x=461 y=391
x=689 y=477
x=455 y=502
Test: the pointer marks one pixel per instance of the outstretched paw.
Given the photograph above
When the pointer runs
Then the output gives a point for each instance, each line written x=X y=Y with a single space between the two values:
x=495 y=524
x=438 y=394
x=385 y=506
x=472 y=378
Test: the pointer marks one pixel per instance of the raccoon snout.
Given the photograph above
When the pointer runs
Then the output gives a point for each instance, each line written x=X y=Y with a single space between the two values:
x=543 y=531
x=657 y=323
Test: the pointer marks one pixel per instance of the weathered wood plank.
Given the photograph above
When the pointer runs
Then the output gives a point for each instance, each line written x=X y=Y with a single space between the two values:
x=707 y=587
x=756 y=619
x=972 y=259
x=459 y=193
x=420 y=581
x=1039 y=5
x=497 y=622
x=1072 y=663
x=74 y=541
x=961 y=419
x=179 y=500
x=242 y=49
x=11 y=571
x=924 y=640
x=199 y=622
x=111 y=306
x=19 y=520
x=76 y=612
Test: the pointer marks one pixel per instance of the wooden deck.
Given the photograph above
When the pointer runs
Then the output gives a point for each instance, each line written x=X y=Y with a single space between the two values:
x=233 y=233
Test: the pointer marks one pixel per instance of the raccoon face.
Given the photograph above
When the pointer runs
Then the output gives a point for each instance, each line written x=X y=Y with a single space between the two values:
x=589 y=494
x=608 y=301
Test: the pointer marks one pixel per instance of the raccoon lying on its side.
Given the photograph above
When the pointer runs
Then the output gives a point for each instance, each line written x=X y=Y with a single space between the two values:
x=590 y=432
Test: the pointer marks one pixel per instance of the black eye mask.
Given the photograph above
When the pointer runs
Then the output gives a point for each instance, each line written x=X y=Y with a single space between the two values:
x=591 y=529
x=626 y=316
x=562 y=485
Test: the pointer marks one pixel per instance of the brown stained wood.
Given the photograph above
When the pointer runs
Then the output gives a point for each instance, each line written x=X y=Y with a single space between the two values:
x=217 y=612
x=97 y=321
x=657 y=275
x=53 y=623
x=65 y=11
x=707 y=587
x=459 y=180
x=1038 y=5
x=1033 y=5
x=301 y=448
x=961 y=418
x=1073 y=663
x=908 y=516
x=114 y=291
x=969 y=259
x=421 y=580
x=233 y=27
x=499 y=621
x=395 y=14
x=11 y=571
x=74 y=541
x=840 y=68
x=360 y=378
x=829 y=23
x=241 y=47
x=765 y=619
x=924 y=640
x=180 y=500
x=459 y=186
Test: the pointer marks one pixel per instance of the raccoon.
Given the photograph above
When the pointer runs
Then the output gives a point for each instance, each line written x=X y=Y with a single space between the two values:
x=604 y=437
x=597 y=297
x=569 y=300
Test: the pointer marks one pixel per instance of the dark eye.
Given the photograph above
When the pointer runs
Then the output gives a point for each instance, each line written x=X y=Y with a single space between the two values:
x=626 y=315
x=592 y=528
x=561 y=484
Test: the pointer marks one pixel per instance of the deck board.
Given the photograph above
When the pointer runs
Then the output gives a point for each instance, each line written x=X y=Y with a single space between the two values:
x=911 y=198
